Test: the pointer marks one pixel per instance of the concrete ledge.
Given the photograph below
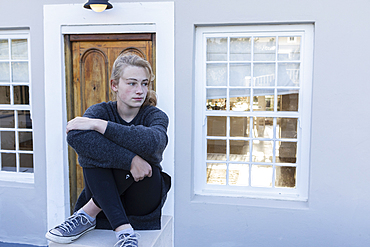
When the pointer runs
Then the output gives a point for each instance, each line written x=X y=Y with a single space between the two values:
x=107 y=238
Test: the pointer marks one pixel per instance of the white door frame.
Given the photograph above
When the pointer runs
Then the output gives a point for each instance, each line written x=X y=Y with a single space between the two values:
x=152 y=17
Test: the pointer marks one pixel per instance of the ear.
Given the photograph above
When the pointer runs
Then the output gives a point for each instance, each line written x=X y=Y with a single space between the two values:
x=114 y=85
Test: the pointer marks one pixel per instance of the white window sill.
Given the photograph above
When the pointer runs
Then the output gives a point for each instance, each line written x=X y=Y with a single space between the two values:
x=291 y=201
x=27 y=178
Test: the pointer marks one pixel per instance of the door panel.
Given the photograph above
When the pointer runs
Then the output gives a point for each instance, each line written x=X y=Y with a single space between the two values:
x=92 y=58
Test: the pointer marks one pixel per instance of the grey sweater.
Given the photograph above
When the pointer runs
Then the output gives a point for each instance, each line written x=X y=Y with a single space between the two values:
x=145 y=135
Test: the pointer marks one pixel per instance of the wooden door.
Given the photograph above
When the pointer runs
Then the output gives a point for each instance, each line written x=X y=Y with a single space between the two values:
x=89 y=61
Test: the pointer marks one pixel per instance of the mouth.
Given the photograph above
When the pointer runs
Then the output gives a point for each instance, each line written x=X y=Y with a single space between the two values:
x=138 y=99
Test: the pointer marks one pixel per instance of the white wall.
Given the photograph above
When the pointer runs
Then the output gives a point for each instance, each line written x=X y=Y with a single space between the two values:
x=337 y=212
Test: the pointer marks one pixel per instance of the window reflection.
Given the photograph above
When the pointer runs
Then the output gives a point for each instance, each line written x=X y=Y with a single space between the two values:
x=25 y=141
x=216 y=126
x=4 y=95
x=286 y=127
x=287 y=100
x=286 y=152
x=239 y=126
x=6 y=119
x=263 y=127
x=239 y=150
x=26 y=162
x=216 y=99
x=24 y=119
x=285 y=176
x=216 y=173
x=261 y=176
x=7 y=140
x=8 y=162
x=216 y=149
x=216 y=49
x=239 y=174
x=239 y=99
x=262 y=151
x=21 y=95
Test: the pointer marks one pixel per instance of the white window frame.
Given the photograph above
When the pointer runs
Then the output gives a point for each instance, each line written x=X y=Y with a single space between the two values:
x=300 y=192
x=17 y=176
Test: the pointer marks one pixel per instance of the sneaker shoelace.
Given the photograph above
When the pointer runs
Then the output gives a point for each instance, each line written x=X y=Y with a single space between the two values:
x=128 y=240
x=73 y=221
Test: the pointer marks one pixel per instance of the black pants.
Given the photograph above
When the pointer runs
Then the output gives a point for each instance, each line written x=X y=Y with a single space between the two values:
x=118 y=195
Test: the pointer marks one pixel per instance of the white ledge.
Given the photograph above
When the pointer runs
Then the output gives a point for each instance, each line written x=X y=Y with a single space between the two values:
x=107 y=238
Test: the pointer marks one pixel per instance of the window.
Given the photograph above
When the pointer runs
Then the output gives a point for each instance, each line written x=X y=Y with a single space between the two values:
x=253 y=110
x=16 y=135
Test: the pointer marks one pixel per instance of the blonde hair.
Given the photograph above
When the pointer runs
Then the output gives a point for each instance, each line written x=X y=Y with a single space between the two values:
x=122 y=62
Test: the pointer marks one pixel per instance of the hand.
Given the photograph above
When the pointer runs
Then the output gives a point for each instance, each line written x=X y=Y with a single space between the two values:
x=140 y=168
x=84 y=123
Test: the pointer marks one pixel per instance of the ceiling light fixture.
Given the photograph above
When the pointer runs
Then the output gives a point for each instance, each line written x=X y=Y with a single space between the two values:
x=98 y=5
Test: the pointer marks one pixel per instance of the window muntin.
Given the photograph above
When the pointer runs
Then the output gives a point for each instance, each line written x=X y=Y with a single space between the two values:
x=16 y=131
x=252 y=112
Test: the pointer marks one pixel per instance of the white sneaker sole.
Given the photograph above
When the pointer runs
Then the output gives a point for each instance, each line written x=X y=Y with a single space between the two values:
x=65 y=240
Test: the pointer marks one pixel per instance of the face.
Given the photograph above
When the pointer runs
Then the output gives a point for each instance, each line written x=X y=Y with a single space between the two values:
x=132 y=87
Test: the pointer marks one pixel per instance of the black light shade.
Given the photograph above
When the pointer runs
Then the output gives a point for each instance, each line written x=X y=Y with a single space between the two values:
x=105 y=2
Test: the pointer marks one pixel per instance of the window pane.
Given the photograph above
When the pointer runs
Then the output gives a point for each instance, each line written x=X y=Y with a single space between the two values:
x=264 y=75
x=19 y=49
x=216 y=126
x=240 y=75
x=6 y=119
x=261 y=176
x=24 y=120
x=239 y=174
x=239 y=150
x=286 y=152
x=8 y=162
x=286 y=127
x=216 y=173
x=263 y=127
x=20 y=71
x=240 y=49
x=4 y=49
x=7 y=140
x=264 y=48
x=216 y=149
x=4 y=72
x=4 y=95
x=25 y=141
x=239 y=126
x=216 y=49
x=288 y=74
x=285 y=176
x=216 y=99
x=216 y=74
x=21 y=95
x=26 y=163
x=287 y=100
x=263 y=100
x=262 y=151
x=289 y=48
x=240 y=100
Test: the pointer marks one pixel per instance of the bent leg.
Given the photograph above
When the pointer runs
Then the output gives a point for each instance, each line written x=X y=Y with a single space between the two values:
x=101 y=185
x=143 y=197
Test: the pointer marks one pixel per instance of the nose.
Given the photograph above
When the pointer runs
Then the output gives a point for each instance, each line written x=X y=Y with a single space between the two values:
x=139 y=89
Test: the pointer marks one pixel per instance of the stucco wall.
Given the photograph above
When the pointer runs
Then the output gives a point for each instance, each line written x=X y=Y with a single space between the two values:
x=337 y=212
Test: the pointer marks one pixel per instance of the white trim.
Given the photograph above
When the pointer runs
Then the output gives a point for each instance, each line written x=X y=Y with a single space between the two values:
x=123 y=18
x=300 y=193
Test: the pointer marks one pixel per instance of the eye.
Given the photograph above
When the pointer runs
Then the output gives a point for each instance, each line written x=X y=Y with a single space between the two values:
x=145 y=84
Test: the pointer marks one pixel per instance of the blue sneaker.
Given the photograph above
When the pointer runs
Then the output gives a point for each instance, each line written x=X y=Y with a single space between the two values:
x=128 y=240
x=73 y=228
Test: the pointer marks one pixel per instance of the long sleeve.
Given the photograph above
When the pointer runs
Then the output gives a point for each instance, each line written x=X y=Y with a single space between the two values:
x=94 y=149
x=147 y=141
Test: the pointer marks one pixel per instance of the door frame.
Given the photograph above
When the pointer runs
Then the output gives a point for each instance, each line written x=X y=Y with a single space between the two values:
x=61 y=19
x=70 y=94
